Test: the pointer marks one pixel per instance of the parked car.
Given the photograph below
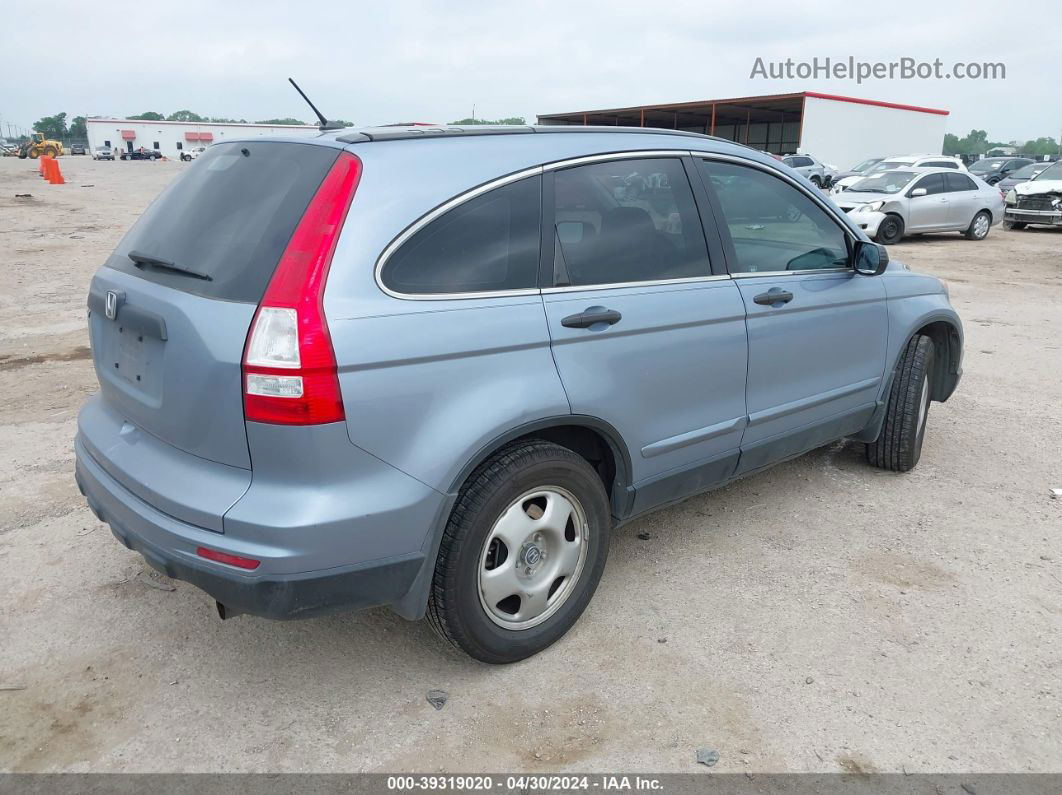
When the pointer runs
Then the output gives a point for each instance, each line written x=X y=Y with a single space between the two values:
x=859 y=169
x=103 y=153
x=901 y=161
x=814 y=170
x=993 y=169
x=1038 y=201
x=193 y=153
x=77 y=149
x=1023 y=174
x=891 y=204
x=140 y=154
x=330 y=381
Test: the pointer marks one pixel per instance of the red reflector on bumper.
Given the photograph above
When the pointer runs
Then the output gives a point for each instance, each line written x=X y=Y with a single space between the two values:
x=225 y=557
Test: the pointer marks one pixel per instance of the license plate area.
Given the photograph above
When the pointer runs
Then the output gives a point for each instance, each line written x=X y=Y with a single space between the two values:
x=134 y=358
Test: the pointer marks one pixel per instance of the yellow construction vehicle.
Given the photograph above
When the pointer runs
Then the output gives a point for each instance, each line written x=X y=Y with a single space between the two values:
x=39 y=145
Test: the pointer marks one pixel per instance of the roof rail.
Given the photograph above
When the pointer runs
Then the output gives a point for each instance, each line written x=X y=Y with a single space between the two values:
x=452 y=131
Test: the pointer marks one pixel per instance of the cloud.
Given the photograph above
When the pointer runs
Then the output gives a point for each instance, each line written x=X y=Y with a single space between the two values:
x=432 y=61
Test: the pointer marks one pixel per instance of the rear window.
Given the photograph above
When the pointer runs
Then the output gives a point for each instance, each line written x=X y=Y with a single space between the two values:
x=228 y=217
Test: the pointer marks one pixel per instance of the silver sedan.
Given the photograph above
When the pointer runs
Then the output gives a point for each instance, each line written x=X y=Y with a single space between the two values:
x=891 y=204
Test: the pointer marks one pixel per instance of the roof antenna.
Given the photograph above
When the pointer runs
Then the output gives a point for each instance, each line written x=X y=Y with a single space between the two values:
x=325 y=123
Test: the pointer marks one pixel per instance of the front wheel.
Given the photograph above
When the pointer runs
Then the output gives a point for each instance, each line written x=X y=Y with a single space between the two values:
x=816 y=181
x=979 y=226
x=890 y=231
x=522 y=553
x=899 y=443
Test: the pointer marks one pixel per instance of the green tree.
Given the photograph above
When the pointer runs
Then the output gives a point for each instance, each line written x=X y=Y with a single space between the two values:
x=1041 y=146
x=223 y=120
x=78 y=129
x=510 y=120
x=287 y=120
x=185 y=115
x=343 y=122
x=148 y=116
x=52 y=126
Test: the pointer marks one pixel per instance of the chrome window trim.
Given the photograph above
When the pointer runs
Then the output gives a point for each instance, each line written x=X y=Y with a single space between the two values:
x=633 y=154
x=582 y=288
x=805 y=272
x=430 y=216
x=461 y=198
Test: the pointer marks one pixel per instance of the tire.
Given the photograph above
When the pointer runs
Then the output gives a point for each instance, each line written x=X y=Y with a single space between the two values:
x=51 y=151
x=899 y=444
x=1013 y=225
x=890 y=231
x=502 y=523
x=979 y=226
x=816 y=181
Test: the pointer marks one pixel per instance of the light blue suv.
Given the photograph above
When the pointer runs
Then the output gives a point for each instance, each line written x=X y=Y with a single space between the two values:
x=433 y=368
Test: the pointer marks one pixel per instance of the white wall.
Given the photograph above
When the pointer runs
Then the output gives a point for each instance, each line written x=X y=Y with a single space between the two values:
x=169 y=134
x=844 y=133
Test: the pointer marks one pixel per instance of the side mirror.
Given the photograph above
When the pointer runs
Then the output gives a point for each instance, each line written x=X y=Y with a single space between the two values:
x=918 y=192
x=869 y=259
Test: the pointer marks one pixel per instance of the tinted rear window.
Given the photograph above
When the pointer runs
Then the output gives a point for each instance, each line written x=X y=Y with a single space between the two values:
x=229 y=216
x=486 y=244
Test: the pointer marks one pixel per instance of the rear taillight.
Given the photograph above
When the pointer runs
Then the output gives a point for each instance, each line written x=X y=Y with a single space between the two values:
x=289 y=368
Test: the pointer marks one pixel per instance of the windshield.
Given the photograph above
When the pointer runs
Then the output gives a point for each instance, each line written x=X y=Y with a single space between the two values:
x=1029 y=171
x=885 y=165
x=1053 y=171
x=865 y=165
x=887 y=182
x=986 y=165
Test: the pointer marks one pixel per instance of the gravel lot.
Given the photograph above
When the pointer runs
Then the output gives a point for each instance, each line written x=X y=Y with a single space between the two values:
x=823 y=616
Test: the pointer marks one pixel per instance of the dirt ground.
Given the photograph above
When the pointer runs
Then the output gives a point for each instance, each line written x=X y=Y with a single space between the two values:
x=823 y=616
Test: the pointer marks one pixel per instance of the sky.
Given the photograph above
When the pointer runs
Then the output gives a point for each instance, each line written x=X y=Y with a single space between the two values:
x=378 y=63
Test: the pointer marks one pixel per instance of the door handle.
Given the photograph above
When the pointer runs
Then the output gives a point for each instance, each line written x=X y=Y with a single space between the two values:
x=591 y=317
x=776 y=295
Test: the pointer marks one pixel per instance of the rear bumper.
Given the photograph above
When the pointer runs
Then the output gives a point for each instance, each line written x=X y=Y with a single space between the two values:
x=346 y=574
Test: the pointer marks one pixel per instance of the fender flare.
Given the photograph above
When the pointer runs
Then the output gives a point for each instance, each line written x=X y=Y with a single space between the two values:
x=945 y=379
x=414 y=603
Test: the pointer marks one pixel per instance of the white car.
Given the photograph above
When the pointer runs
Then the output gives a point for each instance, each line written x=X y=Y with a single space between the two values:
x=901 y=161
x=193 y=153
x=1038 y=201
x=891 y=204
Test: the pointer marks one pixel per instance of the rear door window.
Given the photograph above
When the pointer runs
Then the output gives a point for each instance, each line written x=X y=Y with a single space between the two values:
x=228 y=217
x=958 y=182
x=626 y=220
x=489 y=243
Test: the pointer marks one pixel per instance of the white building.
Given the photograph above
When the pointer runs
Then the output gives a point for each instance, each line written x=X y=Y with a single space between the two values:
x=173 y=137
x=838 y=130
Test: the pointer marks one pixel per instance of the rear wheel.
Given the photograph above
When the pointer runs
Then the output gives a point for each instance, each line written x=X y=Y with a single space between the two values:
x=979 y=226
x=899 y=444
x=1013 y=225
x=522 y=553
x=890 y=231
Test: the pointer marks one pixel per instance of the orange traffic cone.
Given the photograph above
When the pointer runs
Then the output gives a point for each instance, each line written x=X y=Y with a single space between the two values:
x=41 y=163
x=55 y=176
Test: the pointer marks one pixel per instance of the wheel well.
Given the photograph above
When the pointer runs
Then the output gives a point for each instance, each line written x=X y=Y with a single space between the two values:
x=586 y=442
x=948 y=352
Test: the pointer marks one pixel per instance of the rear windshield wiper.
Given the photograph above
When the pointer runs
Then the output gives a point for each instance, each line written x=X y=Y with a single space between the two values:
x=146 y=260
